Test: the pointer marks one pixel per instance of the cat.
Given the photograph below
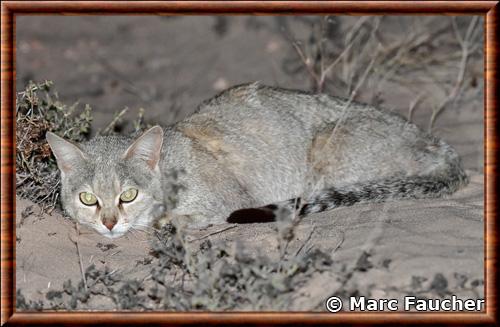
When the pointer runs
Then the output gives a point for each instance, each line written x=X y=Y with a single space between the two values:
x=253 y=146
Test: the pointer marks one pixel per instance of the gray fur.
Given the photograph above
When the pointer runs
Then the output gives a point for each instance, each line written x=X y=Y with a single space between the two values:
x=253 y=145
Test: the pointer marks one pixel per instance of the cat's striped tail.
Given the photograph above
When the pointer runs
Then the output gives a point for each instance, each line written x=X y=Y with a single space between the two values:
x=398 y=187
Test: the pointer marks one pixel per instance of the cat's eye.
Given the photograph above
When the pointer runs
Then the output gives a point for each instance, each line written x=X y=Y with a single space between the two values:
x=129 y=195
x=88 y=198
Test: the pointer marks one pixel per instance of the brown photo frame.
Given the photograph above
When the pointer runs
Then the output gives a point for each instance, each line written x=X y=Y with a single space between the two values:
x=10 y=9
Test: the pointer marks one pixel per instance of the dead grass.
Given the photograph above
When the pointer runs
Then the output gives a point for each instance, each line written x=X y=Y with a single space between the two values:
x=335 y=53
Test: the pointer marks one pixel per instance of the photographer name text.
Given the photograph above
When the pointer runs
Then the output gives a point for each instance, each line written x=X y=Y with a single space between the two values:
x=409 y=303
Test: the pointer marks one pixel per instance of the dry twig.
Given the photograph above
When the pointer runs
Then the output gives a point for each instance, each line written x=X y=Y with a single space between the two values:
x=75 y=240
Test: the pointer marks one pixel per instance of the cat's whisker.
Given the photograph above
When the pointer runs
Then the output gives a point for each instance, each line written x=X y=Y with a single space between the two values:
x=141 y=239
x=144 y=231
x=147 y=227
x=144 y=225
x=140 y=230
x=133 y=232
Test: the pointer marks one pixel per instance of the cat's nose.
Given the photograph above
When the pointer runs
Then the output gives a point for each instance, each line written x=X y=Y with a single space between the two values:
x=109 y=222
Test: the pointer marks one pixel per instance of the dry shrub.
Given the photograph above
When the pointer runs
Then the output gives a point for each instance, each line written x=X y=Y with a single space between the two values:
x=38 y=110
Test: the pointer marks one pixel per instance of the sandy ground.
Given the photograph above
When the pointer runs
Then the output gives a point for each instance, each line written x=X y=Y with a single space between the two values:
x=405 y=240
x=168 y=66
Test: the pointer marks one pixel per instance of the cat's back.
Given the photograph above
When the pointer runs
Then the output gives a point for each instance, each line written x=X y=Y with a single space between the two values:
x=255 y=119
x=258 y=101
x=254 y=94
x=254 y=133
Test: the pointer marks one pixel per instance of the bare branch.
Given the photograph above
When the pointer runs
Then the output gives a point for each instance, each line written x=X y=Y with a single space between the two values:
x=413 y=104
x=113 y=123
x=306 y=61
x=464 y=43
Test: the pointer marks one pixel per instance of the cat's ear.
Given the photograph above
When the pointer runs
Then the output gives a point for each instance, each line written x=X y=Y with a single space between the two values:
x=68 y=155
x=147 y=147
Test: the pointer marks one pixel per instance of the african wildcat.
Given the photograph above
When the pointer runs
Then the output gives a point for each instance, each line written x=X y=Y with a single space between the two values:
x=250 y=146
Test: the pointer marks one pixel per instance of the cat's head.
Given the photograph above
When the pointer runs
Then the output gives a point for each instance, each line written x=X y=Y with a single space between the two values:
x=111 y=183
